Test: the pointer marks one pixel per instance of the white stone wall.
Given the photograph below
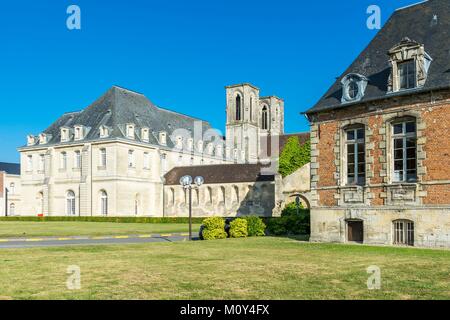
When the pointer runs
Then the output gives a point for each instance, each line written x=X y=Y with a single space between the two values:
x=14 y=194
x=227 y=200
x=131 y=190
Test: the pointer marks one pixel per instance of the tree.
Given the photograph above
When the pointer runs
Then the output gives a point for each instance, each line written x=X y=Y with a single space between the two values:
x=294 y=156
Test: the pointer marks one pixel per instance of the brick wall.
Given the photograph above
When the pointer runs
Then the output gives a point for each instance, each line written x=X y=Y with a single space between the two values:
x=433 y=146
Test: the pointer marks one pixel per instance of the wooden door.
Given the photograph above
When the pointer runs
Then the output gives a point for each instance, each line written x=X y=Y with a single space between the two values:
x=355 y=231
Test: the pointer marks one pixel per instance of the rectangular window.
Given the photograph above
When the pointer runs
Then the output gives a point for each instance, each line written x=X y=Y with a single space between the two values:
x=146 y=160
x=404 y=233
x=131 y=163
x=63 y=164
x=404 y=144
x=29 y=163
x=103 y=158
x=356 y=156
x=77 y=159
x=407 y=74
x=41 y=163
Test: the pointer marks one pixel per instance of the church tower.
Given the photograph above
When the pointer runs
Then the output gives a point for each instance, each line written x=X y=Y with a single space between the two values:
x=242 y=122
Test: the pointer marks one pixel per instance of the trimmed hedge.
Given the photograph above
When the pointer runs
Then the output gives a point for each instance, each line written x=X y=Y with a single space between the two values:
x=238 y=228
x=214 y=228
x=255 y=226
x=105 y=219
x=290 y=223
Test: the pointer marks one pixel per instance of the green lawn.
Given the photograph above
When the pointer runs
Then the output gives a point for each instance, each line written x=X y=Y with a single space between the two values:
x=255 y=268
x=29 y=229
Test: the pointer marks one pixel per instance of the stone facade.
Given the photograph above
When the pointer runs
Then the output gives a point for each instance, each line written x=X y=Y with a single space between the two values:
x=111 y=158
x=379 y=166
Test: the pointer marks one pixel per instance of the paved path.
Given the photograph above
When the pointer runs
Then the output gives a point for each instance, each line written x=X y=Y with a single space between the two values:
x=86 y=240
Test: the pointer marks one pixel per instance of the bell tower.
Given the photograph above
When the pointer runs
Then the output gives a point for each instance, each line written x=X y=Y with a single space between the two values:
x=242 y=122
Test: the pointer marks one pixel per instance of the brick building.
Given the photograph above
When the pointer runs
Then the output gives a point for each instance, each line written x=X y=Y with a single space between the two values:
x=380 y=170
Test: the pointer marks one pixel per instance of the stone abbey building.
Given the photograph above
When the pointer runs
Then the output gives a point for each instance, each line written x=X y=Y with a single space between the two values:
x=380 y=136
x=115 y=157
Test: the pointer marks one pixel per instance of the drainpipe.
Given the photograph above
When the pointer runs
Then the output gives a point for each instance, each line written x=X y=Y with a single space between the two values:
x=6 y=201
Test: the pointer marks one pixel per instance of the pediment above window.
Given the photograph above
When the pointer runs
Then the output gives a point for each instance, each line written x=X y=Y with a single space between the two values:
x=409 y=65
x=353 y=87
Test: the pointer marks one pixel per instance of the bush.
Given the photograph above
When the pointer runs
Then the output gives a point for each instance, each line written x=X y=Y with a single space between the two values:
x=255 y=226
x=214 y=228
x=294 y=156
x=290 y=223
x=238 y=228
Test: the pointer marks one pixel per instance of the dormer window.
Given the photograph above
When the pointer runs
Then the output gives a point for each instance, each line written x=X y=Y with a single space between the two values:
x=200 y=146
x=179 y=143
x=130 y=131
x=79 y=133
x=104 y=132
x=410 y=64
x=145 y=134
x=190 y=144
x=407 y=74
x=353 y=87
x=163 y=138
x=31 y=140
x=65 y=134
x=44 y=138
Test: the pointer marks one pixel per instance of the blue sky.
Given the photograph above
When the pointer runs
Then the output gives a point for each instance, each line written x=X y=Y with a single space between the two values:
x=180 y=54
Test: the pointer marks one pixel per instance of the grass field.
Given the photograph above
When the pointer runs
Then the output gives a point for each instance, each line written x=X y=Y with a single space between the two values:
x=40 y=229
x=255 y=268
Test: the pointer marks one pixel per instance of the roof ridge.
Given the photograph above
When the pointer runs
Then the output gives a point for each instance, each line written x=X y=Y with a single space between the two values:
x=411 y=5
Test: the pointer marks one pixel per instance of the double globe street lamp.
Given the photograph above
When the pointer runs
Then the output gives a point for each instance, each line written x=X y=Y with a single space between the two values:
x=186 y=183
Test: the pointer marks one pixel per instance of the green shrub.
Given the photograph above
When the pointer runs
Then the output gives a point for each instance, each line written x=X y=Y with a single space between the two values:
x=238 y=228
x=214 y=234
x=255 y=226
x=290 y=223
x=214 y=228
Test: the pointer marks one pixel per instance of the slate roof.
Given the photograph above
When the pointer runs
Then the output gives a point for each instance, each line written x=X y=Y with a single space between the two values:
x=415 y=22
x=118 y=107
x=223 y=173
x=10 y=168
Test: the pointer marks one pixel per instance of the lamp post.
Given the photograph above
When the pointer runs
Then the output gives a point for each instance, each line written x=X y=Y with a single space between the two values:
x=186 y=183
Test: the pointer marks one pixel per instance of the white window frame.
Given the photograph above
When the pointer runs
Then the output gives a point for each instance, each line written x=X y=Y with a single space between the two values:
x=131 y=159
x=63 y=161
x=146 y=160
x=404 y=136
x=30 y=163
x=355 y=143
x=103 y=203
x=103 y=160
x=70 y=204
x=77 y=162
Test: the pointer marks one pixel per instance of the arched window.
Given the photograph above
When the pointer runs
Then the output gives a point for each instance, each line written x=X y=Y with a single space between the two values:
x=264 y=119
x=12 y=188
x=103 y=203
x=70 y=203
x=171 y=196
x=222 y=195
x=404 y=232
x=238 y=107
x=236 y=194
x=209 y=195
x=12 y=209
x=251 y=108
x=40 y=198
